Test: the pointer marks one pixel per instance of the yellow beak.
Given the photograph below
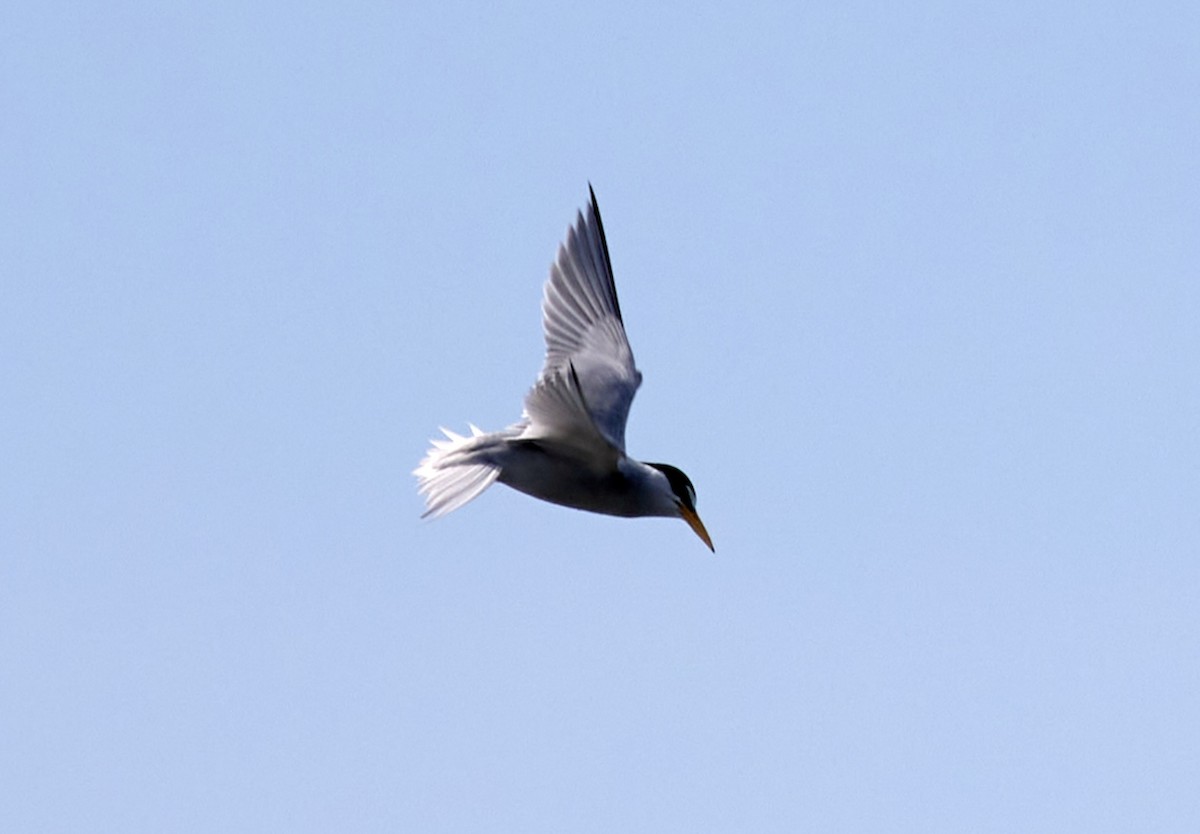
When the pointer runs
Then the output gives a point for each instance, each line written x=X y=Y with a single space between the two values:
x=697 y=526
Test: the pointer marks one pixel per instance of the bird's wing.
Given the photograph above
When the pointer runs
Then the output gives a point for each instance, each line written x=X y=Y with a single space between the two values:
x=589 y=376
x=557 y=411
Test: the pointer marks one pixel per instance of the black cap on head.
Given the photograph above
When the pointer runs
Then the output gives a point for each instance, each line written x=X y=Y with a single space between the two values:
x=681 y=485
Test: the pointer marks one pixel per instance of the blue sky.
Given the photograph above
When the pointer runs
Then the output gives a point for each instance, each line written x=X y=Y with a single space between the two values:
x=915 y=292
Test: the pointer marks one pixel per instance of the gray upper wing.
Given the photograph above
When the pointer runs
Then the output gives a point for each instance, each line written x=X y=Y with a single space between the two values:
x=586 y=346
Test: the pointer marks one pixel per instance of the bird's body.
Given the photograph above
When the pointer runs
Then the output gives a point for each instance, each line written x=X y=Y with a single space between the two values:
x=552 y=473
x=569 y=446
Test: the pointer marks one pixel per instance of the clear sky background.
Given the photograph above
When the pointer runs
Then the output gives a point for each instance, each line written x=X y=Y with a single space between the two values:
x=916 y=293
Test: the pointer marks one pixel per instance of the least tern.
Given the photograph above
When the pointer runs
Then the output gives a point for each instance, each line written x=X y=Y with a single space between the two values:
x=568 y=447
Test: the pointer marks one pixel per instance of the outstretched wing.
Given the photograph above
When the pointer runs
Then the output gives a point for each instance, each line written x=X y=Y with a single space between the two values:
x=589 y=364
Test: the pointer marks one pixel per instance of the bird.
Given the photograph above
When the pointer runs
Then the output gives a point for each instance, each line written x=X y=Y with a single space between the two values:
x=568 y=447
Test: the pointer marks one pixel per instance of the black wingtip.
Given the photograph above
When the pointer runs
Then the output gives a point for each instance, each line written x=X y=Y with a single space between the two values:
x=604 y=245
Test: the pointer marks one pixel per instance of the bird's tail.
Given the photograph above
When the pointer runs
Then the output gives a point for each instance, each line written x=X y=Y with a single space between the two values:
x=455 y=470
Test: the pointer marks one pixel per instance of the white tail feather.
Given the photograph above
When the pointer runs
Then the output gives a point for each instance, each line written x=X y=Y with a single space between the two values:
x=450 y=475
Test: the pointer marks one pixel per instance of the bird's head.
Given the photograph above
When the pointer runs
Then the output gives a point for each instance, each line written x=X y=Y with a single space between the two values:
x=685 y=500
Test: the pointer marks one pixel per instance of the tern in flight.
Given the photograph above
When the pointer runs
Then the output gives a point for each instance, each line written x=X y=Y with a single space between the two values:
x=568 y=447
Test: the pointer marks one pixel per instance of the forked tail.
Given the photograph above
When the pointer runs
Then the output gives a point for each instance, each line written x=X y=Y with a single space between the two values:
x=455 y=470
